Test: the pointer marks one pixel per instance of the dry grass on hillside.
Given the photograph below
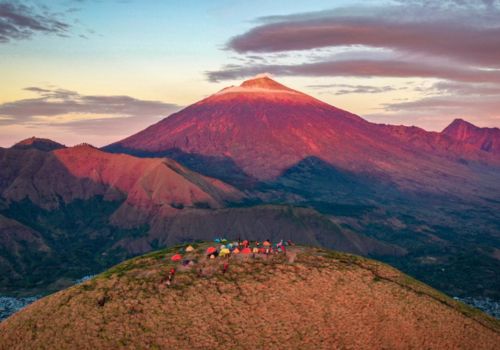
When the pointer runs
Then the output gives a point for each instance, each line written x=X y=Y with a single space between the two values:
x=310 y=299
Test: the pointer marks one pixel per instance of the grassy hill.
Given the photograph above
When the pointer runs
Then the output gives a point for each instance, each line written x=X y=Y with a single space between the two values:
x=310 y=298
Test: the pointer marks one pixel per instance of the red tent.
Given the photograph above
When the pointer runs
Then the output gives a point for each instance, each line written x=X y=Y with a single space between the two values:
x=176 y=257
x=211 y=250
x=246 y=251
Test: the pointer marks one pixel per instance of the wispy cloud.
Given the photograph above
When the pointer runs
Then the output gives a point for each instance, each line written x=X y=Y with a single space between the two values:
x=20 y=20
x=363 y=68
x=56 y=105
x=345 y=89
x=71 y=117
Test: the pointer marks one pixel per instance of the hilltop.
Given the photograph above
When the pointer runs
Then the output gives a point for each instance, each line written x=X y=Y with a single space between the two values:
x=308 y=298
x=39 y=144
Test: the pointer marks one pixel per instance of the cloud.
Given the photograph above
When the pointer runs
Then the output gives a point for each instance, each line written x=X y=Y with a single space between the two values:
x=345 y=89
x=21 y=21
x=69 y=107
x=362 y=68
x=462 y=33
x=480 y=89
x=456 y=105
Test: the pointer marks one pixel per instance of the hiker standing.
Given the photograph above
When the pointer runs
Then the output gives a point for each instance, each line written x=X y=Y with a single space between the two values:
x=170 y=276
x=226 y=266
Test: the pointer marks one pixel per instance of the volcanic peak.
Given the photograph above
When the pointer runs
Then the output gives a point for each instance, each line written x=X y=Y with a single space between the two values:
x=260 y=84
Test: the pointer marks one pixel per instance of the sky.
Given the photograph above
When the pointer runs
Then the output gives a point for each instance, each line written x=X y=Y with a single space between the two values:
x=97 y=71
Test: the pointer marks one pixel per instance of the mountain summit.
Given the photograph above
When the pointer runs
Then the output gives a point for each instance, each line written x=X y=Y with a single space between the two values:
x=486 y=139
x=263 y=82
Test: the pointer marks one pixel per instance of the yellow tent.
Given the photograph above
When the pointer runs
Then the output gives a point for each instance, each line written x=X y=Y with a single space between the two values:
x=224 y=252
x=255 y=250
x=189 y=249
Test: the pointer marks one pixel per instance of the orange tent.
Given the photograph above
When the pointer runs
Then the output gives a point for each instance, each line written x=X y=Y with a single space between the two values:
x=236 y=251
x=267 y=243
x=176 y=257
x=211 y=250
x=246 y=251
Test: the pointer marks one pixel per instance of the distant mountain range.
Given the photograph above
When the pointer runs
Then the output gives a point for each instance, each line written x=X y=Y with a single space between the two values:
x=263 y=160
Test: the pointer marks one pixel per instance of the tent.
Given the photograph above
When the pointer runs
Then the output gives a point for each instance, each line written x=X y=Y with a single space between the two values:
x=236 y=251
x=176 y=257
x=246 y=251
x=255 y=250
x=266 y=244
x=211 y=250
x=189 y=249
x=224 y=252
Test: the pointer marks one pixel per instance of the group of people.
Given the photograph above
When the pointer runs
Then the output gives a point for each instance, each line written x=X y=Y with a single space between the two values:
x=226 y=249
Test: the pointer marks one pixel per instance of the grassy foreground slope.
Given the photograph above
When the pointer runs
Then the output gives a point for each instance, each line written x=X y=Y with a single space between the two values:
x=310 y=299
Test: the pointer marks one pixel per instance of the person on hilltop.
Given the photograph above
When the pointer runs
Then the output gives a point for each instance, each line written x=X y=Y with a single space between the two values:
x=171 y=276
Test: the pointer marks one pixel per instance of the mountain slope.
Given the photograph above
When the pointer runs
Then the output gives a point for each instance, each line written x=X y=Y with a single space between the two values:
x=310 y=298
x=74 y=211
x=83 y=171
x=63 y=213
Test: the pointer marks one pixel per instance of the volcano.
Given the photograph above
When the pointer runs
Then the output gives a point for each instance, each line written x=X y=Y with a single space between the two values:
x=262 y=128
